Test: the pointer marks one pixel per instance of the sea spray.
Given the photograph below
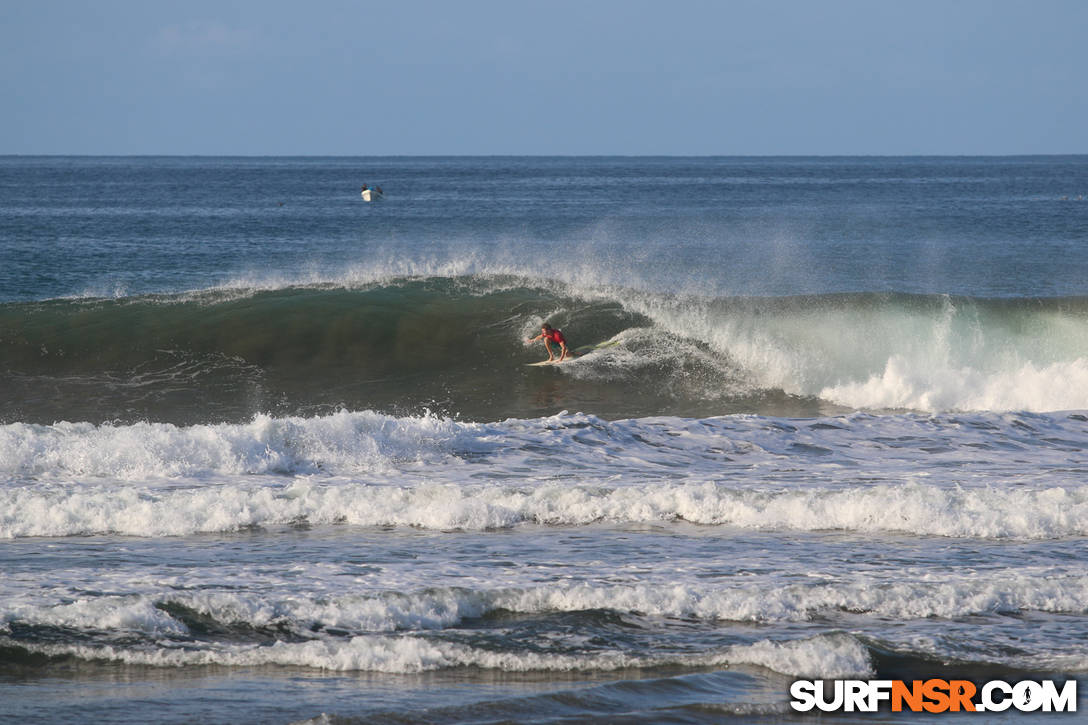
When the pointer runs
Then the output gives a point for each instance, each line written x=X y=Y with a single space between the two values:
x=457 y=344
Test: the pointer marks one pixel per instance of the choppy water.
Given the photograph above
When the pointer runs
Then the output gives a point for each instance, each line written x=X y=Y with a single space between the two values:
x=269 y=453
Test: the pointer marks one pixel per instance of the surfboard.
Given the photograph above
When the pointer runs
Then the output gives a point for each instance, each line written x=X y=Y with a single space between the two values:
x=599 y=346
x=577 y=351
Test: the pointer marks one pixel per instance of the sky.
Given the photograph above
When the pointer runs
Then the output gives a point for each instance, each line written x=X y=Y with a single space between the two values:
x=536 y=77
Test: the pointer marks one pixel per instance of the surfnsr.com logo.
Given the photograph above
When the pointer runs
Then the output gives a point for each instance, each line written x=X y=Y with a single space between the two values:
x=933 y=695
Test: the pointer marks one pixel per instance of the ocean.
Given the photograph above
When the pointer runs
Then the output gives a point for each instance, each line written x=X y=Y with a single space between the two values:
x=273 y=454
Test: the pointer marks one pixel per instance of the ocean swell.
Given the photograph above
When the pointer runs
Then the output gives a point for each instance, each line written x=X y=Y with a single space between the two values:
x=458 y=345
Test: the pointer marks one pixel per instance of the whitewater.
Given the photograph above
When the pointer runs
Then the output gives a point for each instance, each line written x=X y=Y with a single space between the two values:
x=272 y=454
x=399 y=343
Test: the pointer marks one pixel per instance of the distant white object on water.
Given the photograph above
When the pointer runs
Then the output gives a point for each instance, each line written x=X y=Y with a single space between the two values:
x=372 y=194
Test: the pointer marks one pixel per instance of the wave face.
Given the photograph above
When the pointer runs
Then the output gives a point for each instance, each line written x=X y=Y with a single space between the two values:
x=457 y=345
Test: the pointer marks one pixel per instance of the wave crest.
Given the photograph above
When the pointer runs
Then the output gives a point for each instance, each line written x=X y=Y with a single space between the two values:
x=458 y=344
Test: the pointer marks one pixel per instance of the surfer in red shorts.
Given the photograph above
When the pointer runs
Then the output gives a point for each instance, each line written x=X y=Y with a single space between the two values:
x=552 y=335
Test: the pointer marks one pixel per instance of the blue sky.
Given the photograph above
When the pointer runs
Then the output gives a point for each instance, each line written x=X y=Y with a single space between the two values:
x=682 y=77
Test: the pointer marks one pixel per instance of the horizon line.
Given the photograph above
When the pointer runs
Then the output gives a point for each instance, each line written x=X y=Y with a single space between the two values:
x=536 y=156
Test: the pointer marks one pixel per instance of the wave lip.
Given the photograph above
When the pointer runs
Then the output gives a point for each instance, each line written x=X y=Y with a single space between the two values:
x=894 y=351
x=912 y=595
x=823 y=655
x=398 y=343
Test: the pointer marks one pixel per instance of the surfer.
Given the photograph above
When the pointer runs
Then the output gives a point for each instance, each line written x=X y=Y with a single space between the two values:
x=550 y=335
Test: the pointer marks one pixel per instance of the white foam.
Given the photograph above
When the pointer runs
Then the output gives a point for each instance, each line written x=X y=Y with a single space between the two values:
x=821 y=656
x=930 y=476
x=387 y=611
x=133 y=613
x=911 y=595
x=837 y=656
x=352 y=442
x=948 y=358
x=1057 y=386
x=913 y=508
x=282 y=603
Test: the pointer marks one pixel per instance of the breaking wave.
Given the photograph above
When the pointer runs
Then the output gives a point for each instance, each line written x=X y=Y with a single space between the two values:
x=944 y=475
x=457 y=344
